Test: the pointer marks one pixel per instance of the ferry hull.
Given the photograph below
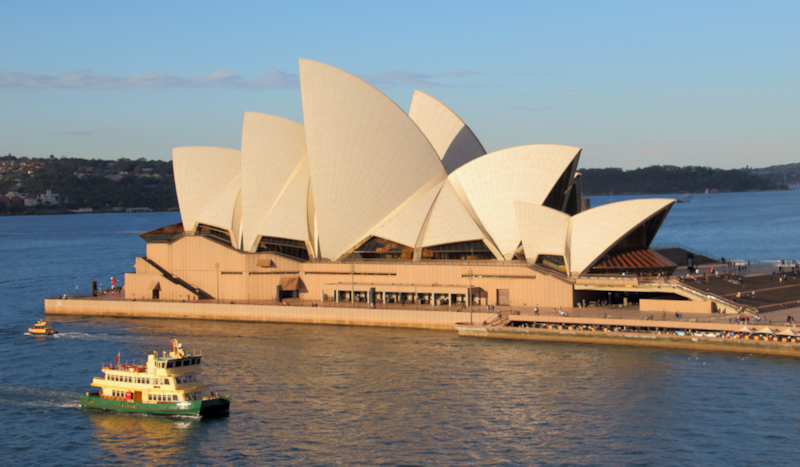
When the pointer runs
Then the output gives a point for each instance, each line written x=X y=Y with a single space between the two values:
x=199 y=408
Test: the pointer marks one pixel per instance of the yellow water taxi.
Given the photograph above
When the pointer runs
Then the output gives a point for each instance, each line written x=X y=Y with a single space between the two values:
x=170 y=384
x=42 y=328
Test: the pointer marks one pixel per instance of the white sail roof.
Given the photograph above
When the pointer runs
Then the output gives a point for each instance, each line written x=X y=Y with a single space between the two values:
x=272 y=150
x=208 y=182
x=594 y=232
x=525 y=173
x=367 y=157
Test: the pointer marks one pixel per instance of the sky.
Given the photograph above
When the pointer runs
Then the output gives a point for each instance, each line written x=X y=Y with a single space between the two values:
x=632 y=83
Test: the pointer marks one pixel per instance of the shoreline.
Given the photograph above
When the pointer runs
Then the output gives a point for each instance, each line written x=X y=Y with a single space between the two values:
x=405 y=318
x=562 y=329
x=665 y=341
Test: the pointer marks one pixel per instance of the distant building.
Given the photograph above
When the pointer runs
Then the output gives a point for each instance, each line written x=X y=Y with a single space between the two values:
x=30 y=201
x=49 y=197
x=82 y=210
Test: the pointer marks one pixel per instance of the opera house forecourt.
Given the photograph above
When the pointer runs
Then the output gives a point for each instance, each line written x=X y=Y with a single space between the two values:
x=366 y=203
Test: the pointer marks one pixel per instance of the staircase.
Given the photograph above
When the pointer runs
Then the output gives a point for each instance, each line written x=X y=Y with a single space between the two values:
x=201 y=294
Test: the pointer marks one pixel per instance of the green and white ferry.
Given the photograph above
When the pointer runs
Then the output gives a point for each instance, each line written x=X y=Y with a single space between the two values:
x=171 y=384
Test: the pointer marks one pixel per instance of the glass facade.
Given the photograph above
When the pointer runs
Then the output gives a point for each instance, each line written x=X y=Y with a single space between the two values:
x=554 y=262
x=462 y=251
x=291 y=248
x=214 y=232
x=380 y=248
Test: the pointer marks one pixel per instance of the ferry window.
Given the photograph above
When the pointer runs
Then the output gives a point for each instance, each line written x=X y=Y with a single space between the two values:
x=175 y=397
x=147 y=381
x=170 y=364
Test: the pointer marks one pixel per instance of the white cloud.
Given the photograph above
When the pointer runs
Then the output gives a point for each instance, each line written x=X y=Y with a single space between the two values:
x=398 y=77
x=275 y=79
x=84 y=79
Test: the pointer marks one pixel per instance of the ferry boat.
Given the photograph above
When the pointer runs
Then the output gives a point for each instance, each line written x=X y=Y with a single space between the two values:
x=171 y=384
x=41 y=329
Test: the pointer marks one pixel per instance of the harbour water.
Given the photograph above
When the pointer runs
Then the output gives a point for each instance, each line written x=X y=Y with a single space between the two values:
x=321 y=395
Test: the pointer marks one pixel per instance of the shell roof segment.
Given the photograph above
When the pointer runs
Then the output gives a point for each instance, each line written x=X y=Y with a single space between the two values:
x=452 y=139
x=525 y=173
x=543 y=230
x=273 y=149
x=208 y=182
x=367 y=157
x=594 y=232
x=449 y=220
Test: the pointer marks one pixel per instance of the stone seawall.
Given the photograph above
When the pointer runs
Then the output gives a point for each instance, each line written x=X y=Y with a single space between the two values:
x=634 y=339
x=405 y=318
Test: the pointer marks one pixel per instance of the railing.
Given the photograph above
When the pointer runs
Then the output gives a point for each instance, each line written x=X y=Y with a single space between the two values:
x=701 y=294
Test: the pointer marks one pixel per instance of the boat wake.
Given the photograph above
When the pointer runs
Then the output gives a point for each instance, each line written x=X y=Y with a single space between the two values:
x=40 y=335
x=37 y=397
x=123 y=338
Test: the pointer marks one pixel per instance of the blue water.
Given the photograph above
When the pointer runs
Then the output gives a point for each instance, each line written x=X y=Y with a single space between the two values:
x=322 y=395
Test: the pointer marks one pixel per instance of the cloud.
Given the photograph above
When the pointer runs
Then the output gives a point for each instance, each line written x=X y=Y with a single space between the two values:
x=398 y=77
x=85 y=79
x=274 y=79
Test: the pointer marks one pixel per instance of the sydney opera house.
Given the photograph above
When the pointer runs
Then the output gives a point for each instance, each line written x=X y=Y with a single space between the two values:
x=363 y=202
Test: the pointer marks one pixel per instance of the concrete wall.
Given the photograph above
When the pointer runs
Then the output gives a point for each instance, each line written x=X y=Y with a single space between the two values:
x=194 y=259
x=442 y=320
x=671 y=306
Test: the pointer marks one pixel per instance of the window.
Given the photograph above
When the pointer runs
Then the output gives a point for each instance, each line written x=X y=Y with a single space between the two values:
x=291 y=248
x=380 y=248
x=171 y=364
x=554 y=262
x=475 y=250
x=214 y=232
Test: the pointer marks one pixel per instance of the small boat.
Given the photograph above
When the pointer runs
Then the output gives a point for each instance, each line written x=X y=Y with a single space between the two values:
x=171 y=384
x=686 y=198
x=42 y=328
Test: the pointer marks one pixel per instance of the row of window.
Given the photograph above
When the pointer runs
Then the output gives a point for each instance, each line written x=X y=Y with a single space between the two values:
x=186 y=379
x=162 y=397
x=137 y=379
x=115 y=393
x=179 y=363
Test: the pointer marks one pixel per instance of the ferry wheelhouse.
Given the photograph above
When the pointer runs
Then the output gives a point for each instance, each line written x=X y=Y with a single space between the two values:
x=170 y=384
